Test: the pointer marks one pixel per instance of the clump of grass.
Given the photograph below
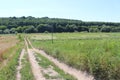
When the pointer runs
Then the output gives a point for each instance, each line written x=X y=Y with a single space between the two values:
x=20 y=37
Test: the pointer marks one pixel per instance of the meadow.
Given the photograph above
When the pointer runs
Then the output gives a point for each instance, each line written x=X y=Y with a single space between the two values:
x=10 y=48
x=96 y=53
x=9 y=63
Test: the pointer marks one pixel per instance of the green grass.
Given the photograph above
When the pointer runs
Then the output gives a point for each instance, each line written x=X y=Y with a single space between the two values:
x=45 y=63
x=29 y=46
x=96 y=53
x=48 y=36
x=26 y=73
x=8 y=72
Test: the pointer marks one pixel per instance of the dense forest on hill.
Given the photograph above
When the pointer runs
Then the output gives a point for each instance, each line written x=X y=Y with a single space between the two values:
x=39 y=25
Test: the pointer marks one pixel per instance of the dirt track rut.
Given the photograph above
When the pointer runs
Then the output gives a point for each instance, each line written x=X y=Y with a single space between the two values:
x=18 y=75
x=36 y=69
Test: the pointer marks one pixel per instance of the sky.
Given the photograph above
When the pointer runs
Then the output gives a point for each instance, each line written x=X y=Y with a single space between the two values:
x=85 y=10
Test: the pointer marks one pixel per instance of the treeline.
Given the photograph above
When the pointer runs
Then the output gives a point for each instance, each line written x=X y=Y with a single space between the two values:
x=39 y=25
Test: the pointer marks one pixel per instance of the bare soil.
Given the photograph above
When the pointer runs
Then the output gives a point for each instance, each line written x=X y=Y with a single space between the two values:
x=19 y=67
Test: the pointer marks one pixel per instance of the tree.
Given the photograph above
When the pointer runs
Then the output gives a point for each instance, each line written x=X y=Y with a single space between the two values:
x=59 y=25
x=3 y=27
x=59 y=28
x=105 y=29
x=69 y=28
x=13 y=30
x=115 y=29
x=6 y=31
x=43 y=28
x=1 y=32
x=30 y=29
x=19 y=29
x=93 y=30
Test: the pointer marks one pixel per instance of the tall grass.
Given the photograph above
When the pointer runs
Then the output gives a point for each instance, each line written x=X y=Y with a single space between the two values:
x=99 y=57
x=8 y=72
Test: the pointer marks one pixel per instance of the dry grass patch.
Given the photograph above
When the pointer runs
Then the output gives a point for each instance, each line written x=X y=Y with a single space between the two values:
x=6 y=42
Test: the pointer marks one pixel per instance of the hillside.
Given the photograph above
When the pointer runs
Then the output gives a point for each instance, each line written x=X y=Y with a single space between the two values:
x=39 y=25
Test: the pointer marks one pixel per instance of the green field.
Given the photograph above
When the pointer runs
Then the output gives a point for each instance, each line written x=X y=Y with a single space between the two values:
x=96 y=53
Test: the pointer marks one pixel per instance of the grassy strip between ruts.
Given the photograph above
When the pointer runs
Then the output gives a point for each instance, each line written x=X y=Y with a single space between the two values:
x=26 y=73
x=8 y=72
x=45 y=63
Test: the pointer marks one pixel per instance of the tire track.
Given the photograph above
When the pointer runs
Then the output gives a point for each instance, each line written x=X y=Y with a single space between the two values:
x=36 y=69
x=18 y=75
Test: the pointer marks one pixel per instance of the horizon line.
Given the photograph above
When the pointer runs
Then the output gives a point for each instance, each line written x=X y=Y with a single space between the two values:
x=62 y=18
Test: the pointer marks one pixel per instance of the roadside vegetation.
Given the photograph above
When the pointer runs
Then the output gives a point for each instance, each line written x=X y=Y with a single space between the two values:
x=10 y=48
x=98 y=54
x=8 y=71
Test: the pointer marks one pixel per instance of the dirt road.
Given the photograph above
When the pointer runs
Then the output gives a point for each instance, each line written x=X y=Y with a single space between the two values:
x=36 y=69
x=72 y=71
x=18 y=75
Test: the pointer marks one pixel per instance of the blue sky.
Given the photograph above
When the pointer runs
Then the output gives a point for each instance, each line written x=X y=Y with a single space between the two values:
x=86 y=10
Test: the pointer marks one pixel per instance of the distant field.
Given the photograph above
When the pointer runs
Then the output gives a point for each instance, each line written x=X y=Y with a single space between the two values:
x=47 y=36
x=96 y=53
